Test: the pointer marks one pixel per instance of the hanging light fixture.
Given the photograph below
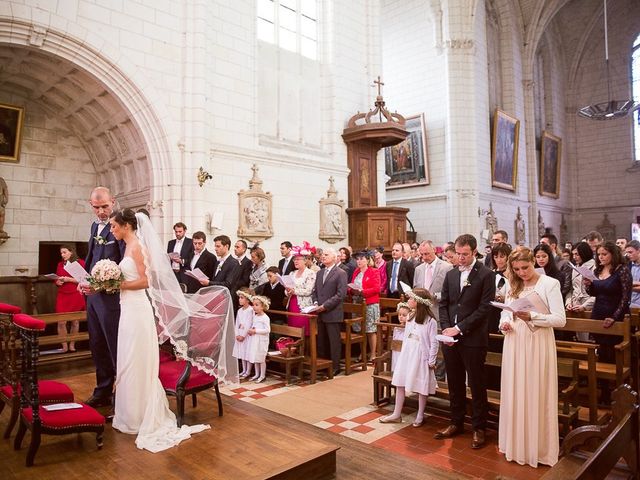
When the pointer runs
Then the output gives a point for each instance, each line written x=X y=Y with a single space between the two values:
x=612 y=108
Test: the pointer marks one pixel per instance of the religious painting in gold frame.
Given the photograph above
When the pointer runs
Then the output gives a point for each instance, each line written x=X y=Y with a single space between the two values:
x=11 y=120
x=504 y=150
x=550 y=155
x=406 y=163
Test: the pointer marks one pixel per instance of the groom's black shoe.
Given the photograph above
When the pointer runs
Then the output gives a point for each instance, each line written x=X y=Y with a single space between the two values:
x=95 y=402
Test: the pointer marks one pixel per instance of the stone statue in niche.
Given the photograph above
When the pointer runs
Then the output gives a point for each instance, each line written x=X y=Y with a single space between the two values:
x=4 y=199
x=519 y=228
x=255 y=211
x=541 y=228
x=564 y=231
x=332 y=216
x=491 y=222
x=607 y=229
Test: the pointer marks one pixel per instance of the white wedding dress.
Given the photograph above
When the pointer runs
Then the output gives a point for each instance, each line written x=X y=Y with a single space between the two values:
x=141 y=405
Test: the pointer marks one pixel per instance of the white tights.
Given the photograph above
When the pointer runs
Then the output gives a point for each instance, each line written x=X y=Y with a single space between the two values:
x=261 y=371
x=246 y=367
x=397 y=409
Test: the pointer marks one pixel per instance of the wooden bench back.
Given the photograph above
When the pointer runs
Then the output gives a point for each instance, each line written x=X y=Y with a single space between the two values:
x=287 y=331
x=359 y=309
x=622 y=328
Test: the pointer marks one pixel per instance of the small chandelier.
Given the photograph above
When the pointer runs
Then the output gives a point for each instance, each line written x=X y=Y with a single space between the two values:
x=610 y=109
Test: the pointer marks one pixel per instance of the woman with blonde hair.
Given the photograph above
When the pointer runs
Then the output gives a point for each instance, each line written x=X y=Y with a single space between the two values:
x=528 y=432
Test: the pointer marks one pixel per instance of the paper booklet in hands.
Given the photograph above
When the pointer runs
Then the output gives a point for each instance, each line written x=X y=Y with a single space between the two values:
x=530 y=303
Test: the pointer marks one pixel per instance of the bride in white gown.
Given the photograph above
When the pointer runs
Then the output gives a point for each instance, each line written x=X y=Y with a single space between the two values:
x=141 y=405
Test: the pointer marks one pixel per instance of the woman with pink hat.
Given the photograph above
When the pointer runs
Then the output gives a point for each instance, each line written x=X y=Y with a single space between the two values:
x=304 y=280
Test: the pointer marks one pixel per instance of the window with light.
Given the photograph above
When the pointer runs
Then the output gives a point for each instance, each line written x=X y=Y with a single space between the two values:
x=290 y=24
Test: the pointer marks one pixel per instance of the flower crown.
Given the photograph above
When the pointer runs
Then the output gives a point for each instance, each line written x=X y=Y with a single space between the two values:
x=402 y=305
x=266 y=303
x=244 y=294
x=303 y=250
x=424 y=301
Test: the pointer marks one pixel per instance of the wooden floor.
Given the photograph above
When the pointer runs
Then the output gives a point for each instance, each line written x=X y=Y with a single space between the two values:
x=232 y=449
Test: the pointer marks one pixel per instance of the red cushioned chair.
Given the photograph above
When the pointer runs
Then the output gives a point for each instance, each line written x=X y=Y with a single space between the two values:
x=35 y=417
x=180 y=379
x=50 y=391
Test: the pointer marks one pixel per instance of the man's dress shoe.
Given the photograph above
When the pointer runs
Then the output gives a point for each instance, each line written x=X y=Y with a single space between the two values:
x=336 y=372
x=478 y=439
x=449 y=432
x=95 y=402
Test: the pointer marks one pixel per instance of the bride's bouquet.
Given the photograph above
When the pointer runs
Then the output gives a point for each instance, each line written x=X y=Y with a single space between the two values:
x=106 y=276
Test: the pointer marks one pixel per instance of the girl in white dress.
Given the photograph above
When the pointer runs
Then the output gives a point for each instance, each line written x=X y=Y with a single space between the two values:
x=415 y=370
x=528 y=431
x=404 y=312
x=259 y=337
x=244 y=321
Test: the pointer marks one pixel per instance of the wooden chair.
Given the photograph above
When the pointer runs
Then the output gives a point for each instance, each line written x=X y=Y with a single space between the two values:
x=35 y=417
x=179 y=379
x=382 y=364
x=50 y=391
x=295 y=355
x=51 y=340
x=617 y=439
x=350 y=338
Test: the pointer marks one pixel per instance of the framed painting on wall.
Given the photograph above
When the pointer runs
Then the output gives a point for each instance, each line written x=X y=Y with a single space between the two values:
x=504 y=150
x=550 y=155
x=11 y=119
x=406 y=162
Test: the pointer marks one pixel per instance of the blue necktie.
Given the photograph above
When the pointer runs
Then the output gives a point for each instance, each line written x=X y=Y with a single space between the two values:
x=394 y=277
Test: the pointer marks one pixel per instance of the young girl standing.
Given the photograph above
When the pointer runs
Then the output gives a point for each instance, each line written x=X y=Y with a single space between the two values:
x=259 y=333
x=415 y=369
x=244 y=321
x=404 y=312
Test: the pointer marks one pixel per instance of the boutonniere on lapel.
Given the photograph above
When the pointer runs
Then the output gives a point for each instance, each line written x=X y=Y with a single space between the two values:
x=466 y=284
x=100 y=240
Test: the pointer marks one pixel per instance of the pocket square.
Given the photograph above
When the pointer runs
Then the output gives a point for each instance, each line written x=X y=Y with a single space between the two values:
x=109 y=243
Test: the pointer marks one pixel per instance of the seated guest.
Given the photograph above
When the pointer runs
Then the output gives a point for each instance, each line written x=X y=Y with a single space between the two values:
x=366 y=287
x=398 y=270
x=545 y=259
x=299 y=296
x=258 y=273
x=240 y=253
x=179 y=249
x=632 y=252
x=381 y=265
x=345 y=262
x=200 y=258
x=274 y=291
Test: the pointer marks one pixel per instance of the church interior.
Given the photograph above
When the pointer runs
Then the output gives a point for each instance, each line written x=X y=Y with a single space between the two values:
x=361 y=123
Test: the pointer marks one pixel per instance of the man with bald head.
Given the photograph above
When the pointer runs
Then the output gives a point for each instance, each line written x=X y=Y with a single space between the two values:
x=103 y=309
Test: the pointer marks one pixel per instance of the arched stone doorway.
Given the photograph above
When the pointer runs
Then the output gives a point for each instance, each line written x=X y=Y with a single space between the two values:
x=87 y=123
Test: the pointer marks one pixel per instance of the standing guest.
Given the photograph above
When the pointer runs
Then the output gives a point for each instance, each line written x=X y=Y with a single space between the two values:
x=179 y=249
x=285 y=265
x=398 y=270
x=500 y=236
x=259 y=333
x=345 y=262
x=406 y=252
x=464 y=310
x=579 y=300
x=244 y=321
x=632 y=251
x=562 y=263
x=415 y=254
x=612 y=290
x=329 y=293
x=440 y=253
x=274 y=291
x=544 y=259
x=240 y=254
x=299 y=296
x=594 y=239
x=566 y=255
x=416 y=365
x=365 y=285
x=310 y=262
x=528 y=432
x=68 y=299
x=381 y=265
x=258 y=272
x=622 y=243
x=227 y=269
x=200 y=258
x=103 y=309
x=450 y=255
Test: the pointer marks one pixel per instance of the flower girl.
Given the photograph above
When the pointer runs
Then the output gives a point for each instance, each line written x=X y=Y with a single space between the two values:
x=404 y=312
x=259 y=337
x=415 y=369
x=244 y=321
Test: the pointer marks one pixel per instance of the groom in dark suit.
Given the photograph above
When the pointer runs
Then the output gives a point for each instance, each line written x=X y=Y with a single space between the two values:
x=103 y=309
x=464 y=306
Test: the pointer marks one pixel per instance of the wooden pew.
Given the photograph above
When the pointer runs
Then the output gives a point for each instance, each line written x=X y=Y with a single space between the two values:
x=295 y=357
x=617 y=439
x=350 y=338
x=311 y=359
x=382 y=373
x=52 y=340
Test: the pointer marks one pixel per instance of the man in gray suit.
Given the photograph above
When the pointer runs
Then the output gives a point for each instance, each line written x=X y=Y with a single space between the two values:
x=430 y=275
x=329 y=293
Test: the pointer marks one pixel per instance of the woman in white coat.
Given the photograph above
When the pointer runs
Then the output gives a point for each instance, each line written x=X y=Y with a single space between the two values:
x=528 y=432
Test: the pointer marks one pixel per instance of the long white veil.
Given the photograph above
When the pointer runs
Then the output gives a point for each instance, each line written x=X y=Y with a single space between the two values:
x=200 y=326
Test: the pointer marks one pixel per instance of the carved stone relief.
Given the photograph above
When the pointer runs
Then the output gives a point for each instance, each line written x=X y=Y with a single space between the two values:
x=332 y=216
x=255 y=211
